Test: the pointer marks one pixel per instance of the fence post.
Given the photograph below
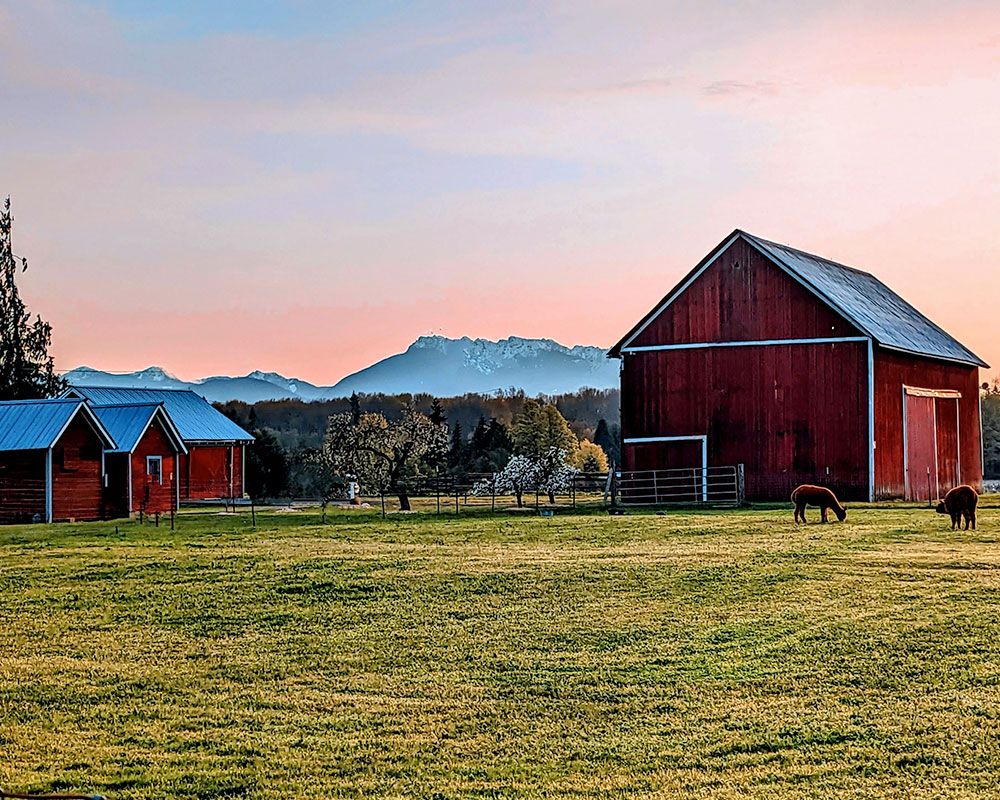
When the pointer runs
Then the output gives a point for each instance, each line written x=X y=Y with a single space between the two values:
x=456 y=499
x=156 y=518
x=741 y=487
x=381 y=493
x=656 y=491
x=437 y=489
x=536 y=497
x=493 y=494
x=253 y=514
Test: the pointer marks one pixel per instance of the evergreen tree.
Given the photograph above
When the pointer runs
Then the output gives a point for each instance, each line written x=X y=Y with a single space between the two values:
x=26 y=368
x=267 y=466
x=437 y=415
x=355 y=408
x=604 y=439
x=456 y=452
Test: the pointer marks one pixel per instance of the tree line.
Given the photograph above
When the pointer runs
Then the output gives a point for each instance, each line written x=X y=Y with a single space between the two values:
x=390 y=443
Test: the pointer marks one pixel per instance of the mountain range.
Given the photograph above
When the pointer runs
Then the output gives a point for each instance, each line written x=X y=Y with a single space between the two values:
x=435 y=365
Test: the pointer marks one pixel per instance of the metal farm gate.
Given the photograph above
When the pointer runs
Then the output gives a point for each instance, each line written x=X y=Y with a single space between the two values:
x=715 y=486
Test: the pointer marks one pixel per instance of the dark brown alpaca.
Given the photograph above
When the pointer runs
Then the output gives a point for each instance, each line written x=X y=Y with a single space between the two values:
x=958 y=503
x=807 y=495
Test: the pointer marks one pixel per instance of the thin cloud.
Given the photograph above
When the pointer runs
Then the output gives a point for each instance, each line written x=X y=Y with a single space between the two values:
x=640 y=86
x=733 y=88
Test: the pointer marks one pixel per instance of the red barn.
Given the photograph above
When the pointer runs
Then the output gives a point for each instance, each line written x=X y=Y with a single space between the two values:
x=143 y=471
x=213 y=464
x=51 y=461
x=804 y=371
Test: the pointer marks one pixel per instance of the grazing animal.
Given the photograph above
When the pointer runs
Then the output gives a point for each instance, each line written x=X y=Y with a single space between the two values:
x=958 y=503
x=807 y=495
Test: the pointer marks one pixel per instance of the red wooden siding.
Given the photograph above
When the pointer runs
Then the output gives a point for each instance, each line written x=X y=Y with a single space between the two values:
x=146 y=493
x=743 y=296
x=77 y=479
x=790 y=413
x=948 y=427
x=212 y=471
x=892 y=372
x=22 y=485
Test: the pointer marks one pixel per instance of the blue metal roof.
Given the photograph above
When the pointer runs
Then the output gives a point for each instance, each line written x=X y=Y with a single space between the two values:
x=127 y=423
x=195 y=418
x=36 y=424
x=867 y=302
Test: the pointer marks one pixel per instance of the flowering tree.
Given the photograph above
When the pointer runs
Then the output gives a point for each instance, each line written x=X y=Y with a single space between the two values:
x=380 y=452
x=554 y=474
x=549 y=474
x=520 y=474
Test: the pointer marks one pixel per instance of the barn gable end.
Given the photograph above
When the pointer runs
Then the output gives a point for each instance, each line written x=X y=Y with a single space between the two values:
x=740 y=294
x=802 y=370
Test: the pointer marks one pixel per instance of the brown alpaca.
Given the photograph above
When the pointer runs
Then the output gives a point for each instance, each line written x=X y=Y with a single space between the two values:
x=958 y=503
x=807 y=495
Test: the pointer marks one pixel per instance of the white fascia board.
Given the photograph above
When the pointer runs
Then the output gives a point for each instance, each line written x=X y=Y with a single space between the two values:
x=747 y=343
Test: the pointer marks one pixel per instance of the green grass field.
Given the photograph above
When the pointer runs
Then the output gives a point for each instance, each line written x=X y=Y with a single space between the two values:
x=700 y=655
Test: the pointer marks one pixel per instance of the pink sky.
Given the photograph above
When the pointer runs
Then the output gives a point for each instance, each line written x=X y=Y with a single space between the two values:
x=308 y=196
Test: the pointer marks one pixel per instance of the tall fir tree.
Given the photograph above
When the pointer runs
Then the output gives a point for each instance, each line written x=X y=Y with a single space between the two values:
x=355 y=408
x=437 y=415
x=26 y=368
x=604 y=439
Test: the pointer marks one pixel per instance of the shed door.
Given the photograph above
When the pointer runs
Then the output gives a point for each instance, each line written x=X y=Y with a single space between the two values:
x=932 y=464
x=946 y=422
x=921 y=448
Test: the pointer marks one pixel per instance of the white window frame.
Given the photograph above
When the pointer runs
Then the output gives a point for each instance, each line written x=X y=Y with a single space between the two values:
x=159 y=471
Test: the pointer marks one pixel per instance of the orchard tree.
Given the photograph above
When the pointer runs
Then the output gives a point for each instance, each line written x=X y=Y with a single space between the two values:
x=382 y=453
x=554 y=473
x=26 y=368
x=519 y=476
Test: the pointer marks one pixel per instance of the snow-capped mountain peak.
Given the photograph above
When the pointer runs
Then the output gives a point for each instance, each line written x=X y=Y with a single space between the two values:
x=432 y=364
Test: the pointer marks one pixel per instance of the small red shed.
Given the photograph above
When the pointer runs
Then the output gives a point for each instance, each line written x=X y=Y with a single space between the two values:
x=143 y=471
x=51 y=461
x=804 y=371
x=212 y=467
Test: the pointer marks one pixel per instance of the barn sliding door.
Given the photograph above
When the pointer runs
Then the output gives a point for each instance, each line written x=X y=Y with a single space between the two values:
x=931 y=442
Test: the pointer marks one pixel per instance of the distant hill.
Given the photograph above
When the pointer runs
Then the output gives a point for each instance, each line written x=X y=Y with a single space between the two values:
x=432 y=364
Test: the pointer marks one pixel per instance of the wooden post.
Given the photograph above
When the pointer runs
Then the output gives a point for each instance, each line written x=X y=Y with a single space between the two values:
x=456 y=499
x=572 y=489
x=493 y=494
x=382 y=495
x=253 y=514
x=437 y=489
x=156 y=517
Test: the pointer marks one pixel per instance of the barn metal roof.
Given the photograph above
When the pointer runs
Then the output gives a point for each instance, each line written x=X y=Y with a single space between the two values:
x=858 y=296
x=38 y=424
x=127 y=424
x=194 y=417
x=868 y=303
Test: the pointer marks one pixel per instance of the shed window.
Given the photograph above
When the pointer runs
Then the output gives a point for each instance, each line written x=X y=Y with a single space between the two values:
x=154 y=468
